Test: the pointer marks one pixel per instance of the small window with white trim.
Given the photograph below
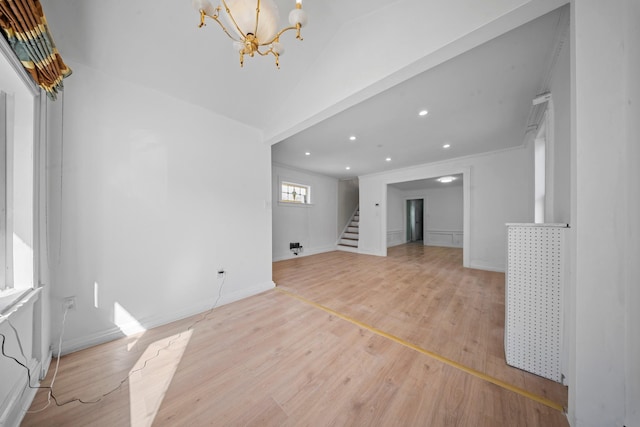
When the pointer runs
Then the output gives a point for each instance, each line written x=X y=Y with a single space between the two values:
x=295 y=193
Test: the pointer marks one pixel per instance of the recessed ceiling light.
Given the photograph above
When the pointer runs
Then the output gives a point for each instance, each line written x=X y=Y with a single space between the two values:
x=423 y=113
x=446 y=179
x=388 y=159
x=348 y=167
x=446 y=146
x=307 y=153
x=352 y=138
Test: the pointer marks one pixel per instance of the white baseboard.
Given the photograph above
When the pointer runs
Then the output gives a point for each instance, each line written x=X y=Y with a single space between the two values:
x=370 y=252
x=305 y=252
x=488 y=267
x=161 y=319
x=20 y=397
x=444 y=245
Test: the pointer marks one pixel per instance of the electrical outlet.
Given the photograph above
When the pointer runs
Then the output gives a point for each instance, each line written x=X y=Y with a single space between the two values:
x=69 y=303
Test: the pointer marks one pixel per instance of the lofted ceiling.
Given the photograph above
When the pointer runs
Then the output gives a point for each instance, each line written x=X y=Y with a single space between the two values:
x=364 y=68
x=159 y=45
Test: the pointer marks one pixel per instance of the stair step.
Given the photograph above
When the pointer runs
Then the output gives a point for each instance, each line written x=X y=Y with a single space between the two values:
x=354 y=224
x=349 y=242
x=353 y=229
x=349 y=235
x=347 y=248
x=356 y=218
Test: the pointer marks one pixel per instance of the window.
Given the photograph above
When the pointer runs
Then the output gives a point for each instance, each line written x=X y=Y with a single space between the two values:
x=295 y=193
x=544 y=159
x=540 y=171
x=17 y=132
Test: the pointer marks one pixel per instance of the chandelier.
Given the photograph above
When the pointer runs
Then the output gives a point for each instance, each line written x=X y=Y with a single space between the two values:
x=252 y=24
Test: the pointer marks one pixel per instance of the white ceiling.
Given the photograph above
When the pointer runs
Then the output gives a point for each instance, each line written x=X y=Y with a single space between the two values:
x=478 y=101
x=425 y=184
x=159 y=45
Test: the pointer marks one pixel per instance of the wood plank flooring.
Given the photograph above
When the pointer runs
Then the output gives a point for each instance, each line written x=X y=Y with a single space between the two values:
x=273 y=360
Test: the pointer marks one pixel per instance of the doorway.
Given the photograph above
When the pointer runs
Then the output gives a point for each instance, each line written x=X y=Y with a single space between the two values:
x=415 y=209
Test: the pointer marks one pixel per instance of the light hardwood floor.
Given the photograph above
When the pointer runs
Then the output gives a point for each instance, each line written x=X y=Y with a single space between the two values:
x=273 y=359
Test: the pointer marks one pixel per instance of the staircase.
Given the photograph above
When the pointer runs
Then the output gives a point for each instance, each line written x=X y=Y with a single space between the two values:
x=349 y=239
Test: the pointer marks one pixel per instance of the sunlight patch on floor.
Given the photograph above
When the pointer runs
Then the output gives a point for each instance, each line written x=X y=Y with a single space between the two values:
x=151 y=376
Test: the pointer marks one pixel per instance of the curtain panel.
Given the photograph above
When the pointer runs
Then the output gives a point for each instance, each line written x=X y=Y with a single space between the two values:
x=25 y=28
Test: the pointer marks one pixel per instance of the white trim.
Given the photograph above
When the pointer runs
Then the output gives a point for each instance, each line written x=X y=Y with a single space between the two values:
x=375 y=253
x=306 y=252
x=445 y=163
x=163 y=318
x=27 y=296
x=434 y=170
x=284 y=181
x=453 y=234
x=549 y=196
x=392 y=233
x=10 y=55
x=479 y=265
x=20 y=397
x=405 y=225
x=295 y=205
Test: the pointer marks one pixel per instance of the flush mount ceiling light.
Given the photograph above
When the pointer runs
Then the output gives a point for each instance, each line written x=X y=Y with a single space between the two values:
x=445 y=146
x=352 y=138
x=388 y=159
x=252 y=24
x=446 y=179
x=348 y=168
x=423 y=113
x=307 y=153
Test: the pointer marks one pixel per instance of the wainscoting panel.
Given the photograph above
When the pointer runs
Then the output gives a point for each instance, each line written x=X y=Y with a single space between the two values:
x=449 y=238
x=395 y=237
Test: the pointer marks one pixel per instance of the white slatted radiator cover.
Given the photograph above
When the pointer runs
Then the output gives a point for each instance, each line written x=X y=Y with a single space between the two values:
x=533 y=318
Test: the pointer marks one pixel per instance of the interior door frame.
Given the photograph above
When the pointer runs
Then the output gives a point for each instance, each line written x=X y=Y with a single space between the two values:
x=406 y=214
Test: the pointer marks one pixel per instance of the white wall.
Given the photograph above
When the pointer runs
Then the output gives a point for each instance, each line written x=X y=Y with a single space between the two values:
x=443 y=214
x=348 y=197
x=314 y=226
x=150 y=196
x=605 y=390
x=500 y=190
x=396 y=214
x=632 y=241
x=561 y=92
x=444 y=209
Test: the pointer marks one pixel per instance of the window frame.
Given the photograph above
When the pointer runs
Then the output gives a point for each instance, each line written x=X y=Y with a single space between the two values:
x=282 y=182
x=5 y=252
x=9 y=293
